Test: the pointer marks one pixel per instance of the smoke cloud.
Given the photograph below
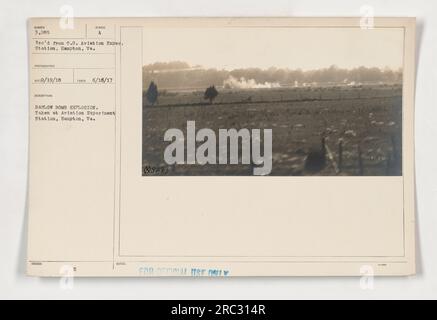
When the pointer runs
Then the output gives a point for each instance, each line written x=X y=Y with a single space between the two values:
x=243 y=83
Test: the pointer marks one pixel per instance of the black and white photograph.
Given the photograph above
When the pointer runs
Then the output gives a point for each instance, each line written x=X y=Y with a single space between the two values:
x=272 y=101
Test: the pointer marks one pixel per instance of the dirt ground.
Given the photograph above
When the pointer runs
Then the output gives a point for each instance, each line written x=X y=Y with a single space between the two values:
x=363 y=126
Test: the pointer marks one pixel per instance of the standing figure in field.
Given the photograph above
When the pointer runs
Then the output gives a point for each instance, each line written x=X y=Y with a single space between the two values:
x=152 y=93
x=316 y=158
x=210 y=94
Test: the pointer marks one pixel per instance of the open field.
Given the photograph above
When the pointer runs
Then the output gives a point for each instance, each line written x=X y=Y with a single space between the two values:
x=368 y=121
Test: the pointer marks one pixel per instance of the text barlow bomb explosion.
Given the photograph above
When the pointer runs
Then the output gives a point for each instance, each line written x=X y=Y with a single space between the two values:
x=206 y=152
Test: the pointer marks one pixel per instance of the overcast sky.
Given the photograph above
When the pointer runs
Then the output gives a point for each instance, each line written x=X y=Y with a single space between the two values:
x=304 y=48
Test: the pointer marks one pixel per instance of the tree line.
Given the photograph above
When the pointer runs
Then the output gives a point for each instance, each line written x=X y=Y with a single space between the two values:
x=181 y=75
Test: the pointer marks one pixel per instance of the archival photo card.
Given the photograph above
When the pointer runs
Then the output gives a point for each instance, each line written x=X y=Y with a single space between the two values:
x=221 y=147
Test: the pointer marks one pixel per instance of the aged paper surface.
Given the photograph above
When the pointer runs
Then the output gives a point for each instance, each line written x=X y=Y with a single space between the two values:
x=221 y=147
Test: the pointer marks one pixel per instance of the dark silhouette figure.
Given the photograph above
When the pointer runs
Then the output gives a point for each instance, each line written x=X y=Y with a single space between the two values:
x=210 y=94
x=340 y=155
x=360 y=161
x=316 y=159
x=152 y=93
x=393 y=161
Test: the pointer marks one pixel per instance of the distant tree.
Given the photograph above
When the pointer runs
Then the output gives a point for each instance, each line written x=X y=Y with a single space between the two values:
x=152 y=93
x=210 y=94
